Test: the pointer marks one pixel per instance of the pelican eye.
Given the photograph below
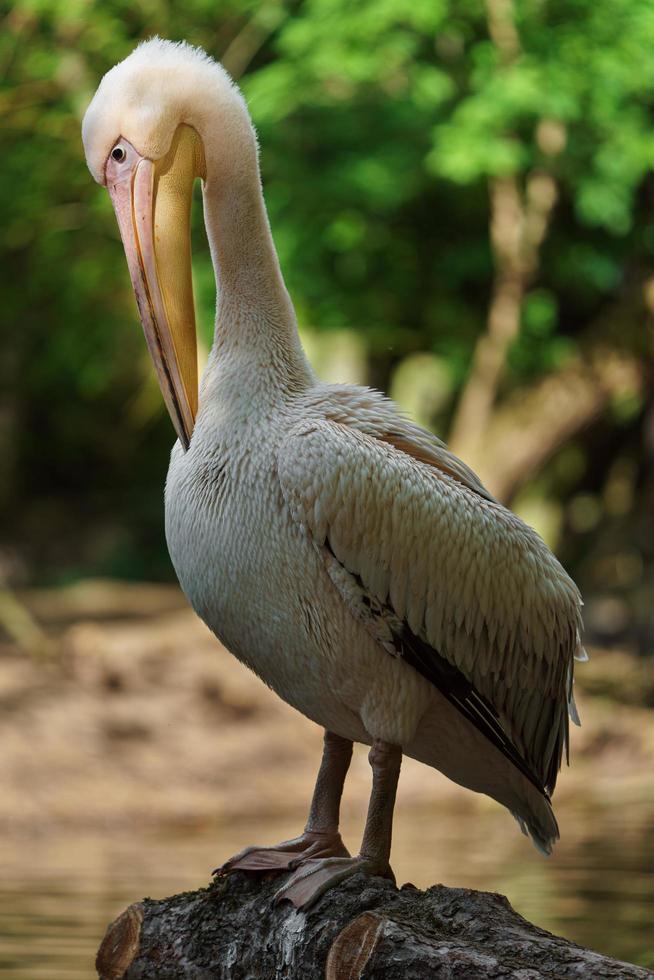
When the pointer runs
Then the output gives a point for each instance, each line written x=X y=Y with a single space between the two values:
x=118 y=153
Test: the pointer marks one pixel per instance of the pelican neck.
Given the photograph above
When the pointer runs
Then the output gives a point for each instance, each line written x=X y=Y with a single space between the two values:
x=255 y=318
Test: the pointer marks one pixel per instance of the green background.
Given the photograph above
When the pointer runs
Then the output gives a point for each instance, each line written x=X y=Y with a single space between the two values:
x=422 y=161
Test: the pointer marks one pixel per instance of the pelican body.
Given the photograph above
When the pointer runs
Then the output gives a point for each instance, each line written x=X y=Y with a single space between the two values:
x=338 y=550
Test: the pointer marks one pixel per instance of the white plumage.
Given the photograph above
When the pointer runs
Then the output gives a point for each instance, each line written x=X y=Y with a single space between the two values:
x=341 y=552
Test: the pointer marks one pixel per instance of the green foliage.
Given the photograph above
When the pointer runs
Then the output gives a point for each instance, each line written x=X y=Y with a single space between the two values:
x=381 y=123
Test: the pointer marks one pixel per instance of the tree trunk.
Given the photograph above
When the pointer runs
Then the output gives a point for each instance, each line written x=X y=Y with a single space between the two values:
x=520 y=214
x=530 y=426
x=365 y=929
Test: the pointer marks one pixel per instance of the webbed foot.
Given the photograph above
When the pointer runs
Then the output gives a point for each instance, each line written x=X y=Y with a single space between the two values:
x=316 y=876
x=287 y=855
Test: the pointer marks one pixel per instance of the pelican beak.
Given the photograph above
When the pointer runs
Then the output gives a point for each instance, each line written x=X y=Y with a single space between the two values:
x=152 y=201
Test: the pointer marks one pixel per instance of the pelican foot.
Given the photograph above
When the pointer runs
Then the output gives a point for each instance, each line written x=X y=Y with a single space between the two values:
x=288 y=855
x=316 y=876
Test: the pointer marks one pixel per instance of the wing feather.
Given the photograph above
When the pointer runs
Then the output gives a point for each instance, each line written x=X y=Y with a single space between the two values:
x=467 y=578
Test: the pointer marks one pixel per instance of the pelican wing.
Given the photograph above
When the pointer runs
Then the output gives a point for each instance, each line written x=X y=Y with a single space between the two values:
x=445 y=577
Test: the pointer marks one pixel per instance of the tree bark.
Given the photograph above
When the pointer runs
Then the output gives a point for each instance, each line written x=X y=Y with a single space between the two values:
x=365 y=929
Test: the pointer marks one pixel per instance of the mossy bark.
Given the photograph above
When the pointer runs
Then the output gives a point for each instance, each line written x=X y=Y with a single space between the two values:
x=363 y=930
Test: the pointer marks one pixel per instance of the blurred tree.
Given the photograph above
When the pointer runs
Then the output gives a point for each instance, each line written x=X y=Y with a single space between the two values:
x=462 y=186
x=520 y=104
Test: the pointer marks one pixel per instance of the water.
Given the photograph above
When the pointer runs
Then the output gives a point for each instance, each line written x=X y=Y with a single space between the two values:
x=58 y=892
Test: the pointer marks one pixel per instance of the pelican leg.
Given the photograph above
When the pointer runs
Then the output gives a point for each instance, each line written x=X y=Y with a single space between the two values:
x=316 y=875
x=321 y=838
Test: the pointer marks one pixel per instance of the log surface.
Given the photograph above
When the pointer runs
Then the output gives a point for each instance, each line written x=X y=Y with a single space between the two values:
x=365 y=929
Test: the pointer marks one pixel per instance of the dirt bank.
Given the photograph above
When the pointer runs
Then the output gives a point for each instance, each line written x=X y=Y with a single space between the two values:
x=139 y=715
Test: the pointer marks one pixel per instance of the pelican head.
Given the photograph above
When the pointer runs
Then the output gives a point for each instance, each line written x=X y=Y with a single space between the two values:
x=162 y=118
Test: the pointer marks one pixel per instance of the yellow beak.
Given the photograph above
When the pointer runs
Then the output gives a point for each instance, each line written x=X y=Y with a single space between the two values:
x=152 y=201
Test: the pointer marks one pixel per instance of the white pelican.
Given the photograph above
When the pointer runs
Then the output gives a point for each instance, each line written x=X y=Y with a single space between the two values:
x=338 y=550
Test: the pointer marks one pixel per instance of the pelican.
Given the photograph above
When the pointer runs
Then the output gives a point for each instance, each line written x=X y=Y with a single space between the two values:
x=341 y=552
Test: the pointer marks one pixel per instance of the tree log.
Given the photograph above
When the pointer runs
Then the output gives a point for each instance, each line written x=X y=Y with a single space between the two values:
x=365 y=929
